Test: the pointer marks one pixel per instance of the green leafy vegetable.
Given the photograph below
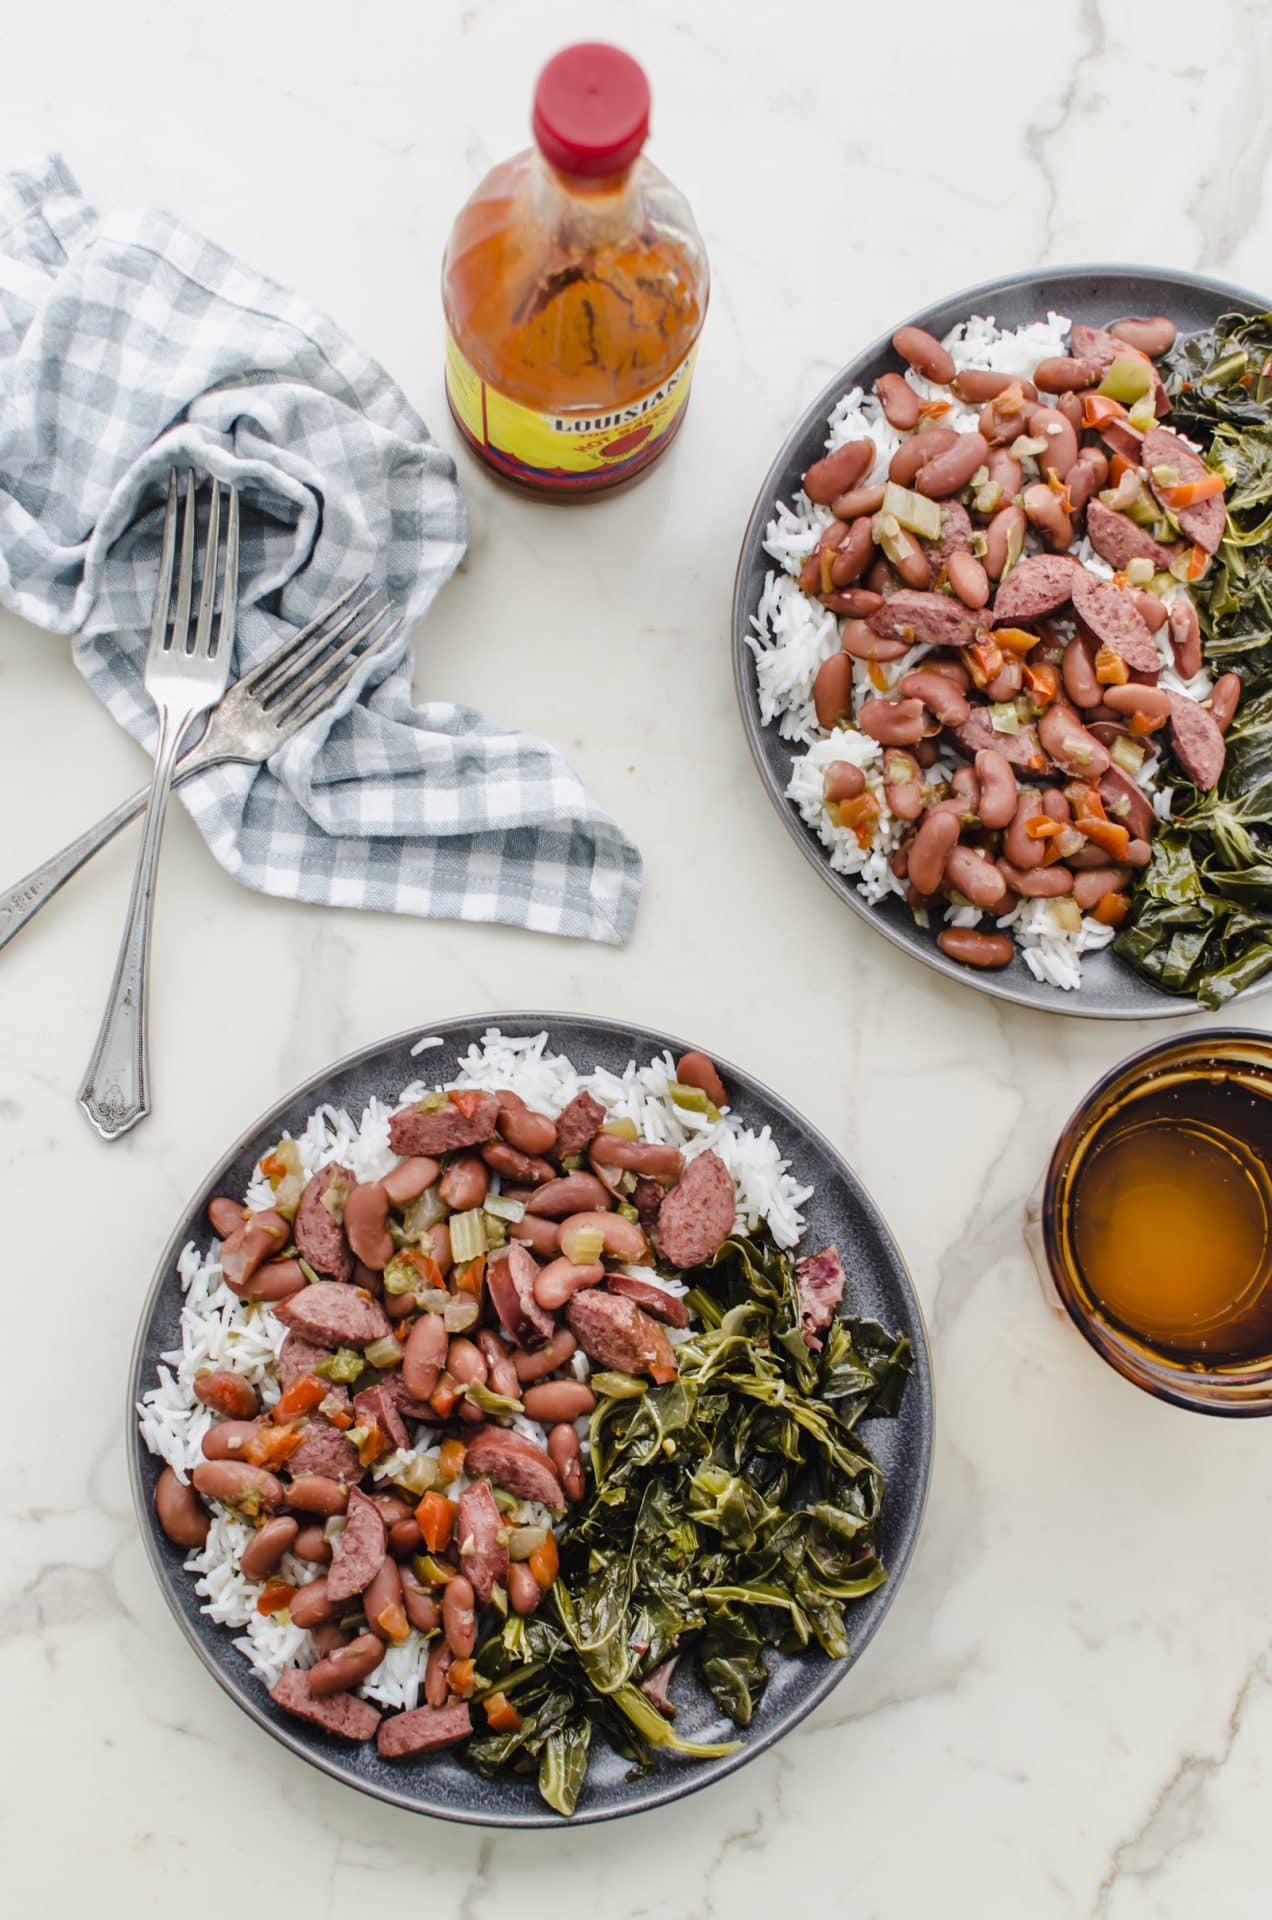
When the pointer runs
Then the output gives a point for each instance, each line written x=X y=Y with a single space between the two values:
x=730 y=1511
x=1201 y=917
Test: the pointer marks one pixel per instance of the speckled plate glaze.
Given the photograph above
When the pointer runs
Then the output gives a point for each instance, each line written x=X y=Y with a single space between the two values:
x=840 y=1211
x=1111 y=990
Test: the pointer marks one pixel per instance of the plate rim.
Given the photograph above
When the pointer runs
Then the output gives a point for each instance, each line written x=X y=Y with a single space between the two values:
x=1165 y=1005
x=676 y=1782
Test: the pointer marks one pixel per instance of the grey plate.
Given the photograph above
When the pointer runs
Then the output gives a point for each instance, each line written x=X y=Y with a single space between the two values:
x=1111 y=990
x=879 y=1285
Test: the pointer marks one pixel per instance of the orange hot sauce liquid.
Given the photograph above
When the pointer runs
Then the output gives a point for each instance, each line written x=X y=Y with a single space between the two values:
x=560 y=304
x=1172 y=1220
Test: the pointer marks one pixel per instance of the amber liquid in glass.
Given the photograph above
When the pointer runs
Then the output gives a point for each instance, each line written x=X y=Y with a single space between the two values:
x=1172 y=1218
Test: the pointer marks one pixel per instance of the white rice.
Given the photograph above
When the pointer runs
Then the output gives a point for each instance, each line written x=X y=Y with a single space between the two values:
x=218 y=1330
x=794 y=634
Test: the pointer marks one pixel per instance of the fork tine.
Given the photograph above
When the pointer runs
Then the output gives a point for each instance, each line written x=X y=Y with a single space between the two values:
x=207 y=595
x=229 y=588
x=163 y=596
x=305 y=645
x=185 y=581
x=332 y=690
x=320 y=676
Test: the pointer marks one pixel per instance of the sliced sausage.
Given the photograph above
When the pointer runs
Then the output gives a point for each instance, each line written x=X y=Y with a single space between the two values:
x=445 y=1130
x=1113 y=620
x=298 y=1357
x=1127 y=803
x=334 y=1315
x=617 y=1333
x=1021 y=749
x=516 y=1464
x=664 y=1306
x=510 y=1279
x=376 y=1407
x=697 y=1216
x=1203 y=523
x=343 y=1714
x=1197 y=741
x=932 y=619
x=325 y=1450
x=423 y=1730
x=320 y=1237
x=577 y=1123
x=359 y=1553
x=1119 y=540
x=482 y=1555
x=1037 y=586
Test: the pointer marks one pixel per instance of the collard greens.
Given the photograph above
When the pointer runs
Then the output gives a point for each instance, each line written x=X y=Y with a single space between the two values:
x=729 y=1512
x=1201 y=919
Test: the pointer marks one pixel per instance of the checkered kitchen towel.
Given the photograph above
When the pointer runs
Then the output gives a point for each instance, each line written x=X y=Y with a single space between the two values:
x=129 y=344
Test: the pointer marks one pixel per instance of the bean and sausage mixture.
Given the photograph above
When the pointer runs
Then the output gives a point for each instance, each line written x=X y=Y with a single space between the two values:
x=458 y=1352
x=1000 y=646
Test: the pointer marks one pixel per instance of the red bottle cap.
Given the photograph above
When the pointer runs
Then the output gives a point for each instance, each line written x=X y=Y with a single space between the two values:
x=591 y=110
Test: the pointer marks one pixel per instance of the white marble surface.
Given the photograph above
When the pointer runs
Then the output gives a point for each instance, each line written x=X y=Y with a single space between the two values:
x=1070 y=1710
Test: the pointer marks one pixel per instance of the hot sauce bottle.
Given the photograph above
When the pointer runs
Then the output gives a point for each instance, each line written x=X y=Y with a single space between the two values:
x=575 y=287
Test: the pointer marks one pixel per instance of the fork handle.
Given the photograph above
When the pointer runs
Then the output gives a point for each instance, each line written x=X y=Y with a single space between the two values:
x=115 y=1093
x=21 y=902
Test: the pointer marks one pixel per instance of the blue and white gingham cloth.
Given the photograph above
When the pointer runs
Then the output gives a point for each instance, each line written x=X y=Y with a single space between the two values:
x=129 y=344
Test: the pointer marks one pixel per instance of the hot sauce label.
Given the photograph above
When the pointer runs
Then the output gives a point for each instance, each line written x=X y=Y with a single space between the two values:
x=572 y=451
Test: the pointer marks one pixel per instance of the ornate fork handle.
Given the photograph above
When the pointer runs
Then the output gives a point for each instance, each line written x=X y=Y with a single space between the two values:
x=116 y=1090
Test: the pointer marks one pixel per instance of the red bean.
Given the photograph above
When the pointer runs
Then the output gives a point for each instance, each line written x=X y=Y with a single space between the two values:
x=1078 y=672
x=938 y=693
x=976 y=878
x=1151 y=610
x=1002 y=421
x=832 y=691
x=1044 y=509
x=858 y=501
x=842 y=781
x=1061 y=450
x=1185 y=635
x=1154 y=702
x=555 y=1283
x=311 y=1543
x=557 y=1400
x=180 y=1512
x=1153 y=336
x=1004 y=539
x=947 y=472
x=409 y=1180
x=310 y=1606
x=436 y=1691
x=236 y=1484
x=1009 y=679
x=930 y=849
x=1089 y=472
x=838 y=471
x=347 y=1666
x=524 y=1591
x=856 y=551
x=566 y=1456
x=424 y=1355
x=533 y=1366
x=267 y=1546
x=382 y=1602
x=1089 y=888
x=899 y=401
x=422 y=1609
x=902 y=784
x=459 y=1618
x=997 y=779
x=503 y=1375
x=405 y=1538
x=465 y=1183
x=317 y=1493
x=466 y=1362
x=523 y=1128
x=226 y=1392
x=968 y=578
x=1021 y=850
x=1040 y=883
x=276 y=1280
x=226 y=1215
x=917 y=451
x=1065 y=374
x=975 y=385
x=1070 y=745
x=1223 y=701
x=925 y=354
x=893 y=723
x=366 y=1217
x=975 y=949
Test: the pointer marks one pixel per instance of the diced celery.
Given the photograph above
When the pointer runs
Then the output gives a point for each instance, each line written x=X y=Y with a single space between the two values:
x=503 y=1208
x=419 y=1474
x=1027 y=446
x=1127 y=754
x=468 y=1235
x=1139 y=570
x=1143 y=415
x=1066 y=914
x=423 y=1214
x=400 y=1276
x=460 y=1313
x=622 y=1129
x=344 y=1365
x=385 y=1353
x=912 y=510
x=433 y=1102
x=1004 y=717
x=523 y=1541
x=1126 y=381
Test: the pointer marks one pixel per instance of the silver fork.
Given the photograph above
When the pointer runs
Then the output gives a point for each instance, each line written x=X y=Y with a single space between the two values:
x=183 y=681
x=258 y=715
